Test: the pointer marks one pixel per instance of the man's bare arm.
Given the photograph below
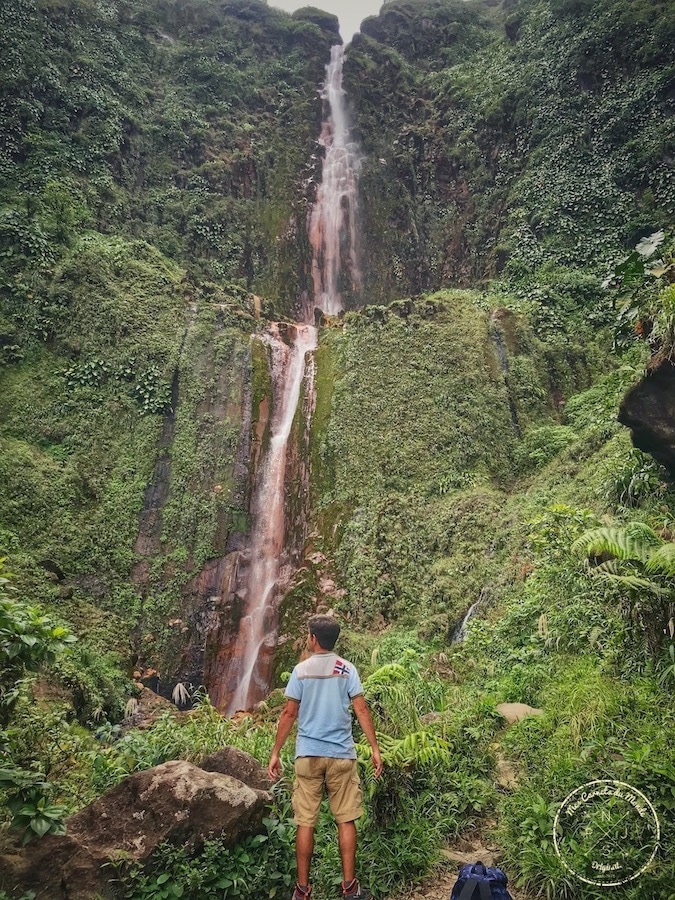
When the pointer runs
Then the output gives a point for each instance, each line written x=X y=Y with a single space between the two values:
x=366 y=723
x=286 y=720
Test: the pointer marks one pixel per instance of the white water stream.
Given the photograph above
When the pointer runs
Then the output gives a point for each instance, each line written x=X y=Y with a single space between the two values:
x=333 y=236
x=256 y=640
x=332 y=225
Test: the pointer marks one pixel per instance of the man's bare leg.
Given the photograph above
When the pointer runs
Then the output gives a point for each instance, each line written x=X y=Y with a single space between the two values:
x=304 y=847
x=347 y=843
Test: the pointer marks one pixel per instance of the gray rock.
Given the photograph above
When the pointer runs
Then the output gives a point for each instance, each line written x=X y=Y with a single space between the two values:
x=648 y=409
x=176 y=802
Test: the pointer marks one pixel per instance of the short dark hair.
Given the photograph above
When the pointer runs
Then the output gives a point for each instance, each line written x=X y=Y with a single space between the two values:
x=325 y=629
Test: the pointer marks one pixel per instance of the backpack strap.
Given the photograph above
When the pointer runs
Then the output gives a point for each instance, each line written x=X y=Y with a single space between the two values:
x=469 y=890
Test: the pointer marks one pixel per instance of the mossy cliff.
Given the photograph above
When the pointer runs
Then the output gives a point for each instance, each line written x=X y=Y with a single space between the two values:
x=122 y=468
x=418 y=403
x=154 y=181
x=190 y=125
x=509 y=139
x=436 y=494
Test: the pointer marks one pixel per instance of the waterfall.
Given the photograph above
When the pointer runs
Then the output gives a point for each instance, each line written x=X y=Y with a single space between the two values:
x=333 y=218
x=252 y=655
x=260 y=575
x=495 y=333
x=461 y=632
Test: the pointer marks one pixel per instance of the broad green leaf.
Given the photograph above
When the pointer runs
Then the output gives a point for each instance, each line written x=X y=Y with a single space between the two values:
x=40 y=825
x=650 y=244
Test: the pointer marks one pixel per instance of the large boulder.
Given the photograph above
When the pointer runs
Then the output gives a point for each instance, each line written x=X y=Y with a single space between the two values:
x=230 y=761
x=176 y=802
x=648 y=409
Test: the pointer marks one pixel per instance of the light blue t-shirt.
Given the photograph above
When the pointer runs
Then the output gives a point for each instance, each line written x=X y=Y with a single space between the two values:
x=324 y=685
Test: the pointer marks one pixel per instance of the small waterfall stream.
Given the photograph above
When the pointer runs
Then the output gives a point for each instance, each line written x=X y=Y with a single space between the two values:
x=333 y=237
x=495 y=333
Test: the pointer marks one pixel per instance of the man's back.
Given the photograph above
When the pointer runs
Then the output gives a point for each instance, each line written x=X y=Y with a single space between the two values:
x=324 y=685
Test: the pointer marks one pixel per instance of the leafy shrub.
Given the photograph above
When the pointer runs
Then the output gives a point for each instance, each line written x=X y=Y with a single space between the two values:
x=97 y=682
x=261 y=866
x=639 y=479
x=541 y=445
x=28 y=640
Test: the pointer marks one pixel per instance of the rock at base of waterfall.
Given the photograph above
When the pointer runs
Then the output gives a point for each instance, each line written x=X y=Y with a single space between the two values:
x=176 y=802
x=234 y=762
x=514 y=712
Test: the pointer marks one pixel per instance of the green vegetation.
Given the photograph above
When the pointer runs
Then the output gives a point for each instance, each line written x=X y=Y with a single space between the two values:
x=28 y=641
x=591 y=646
x=404 y=824
x=527 y=143
x=156 y=166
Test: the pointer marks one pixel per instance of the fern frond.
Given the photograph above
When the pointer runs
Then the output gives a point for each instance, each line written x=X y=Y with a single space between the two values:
x=638 y=531
x=632 y=582
x=417 y=748
x=622 y=543
x=662 y=561
x=608 y=567
x=390 y=672
x=383 y=693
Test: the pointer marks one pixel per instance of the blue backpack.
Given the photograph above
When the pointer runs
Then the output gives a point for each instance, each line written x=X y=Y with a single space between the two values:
x=479 y=882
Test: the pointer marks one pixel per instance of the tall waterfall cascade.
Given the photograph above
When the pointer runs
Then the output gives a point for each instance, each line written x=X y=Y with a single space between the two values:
x=262 y=575
x=332 y=224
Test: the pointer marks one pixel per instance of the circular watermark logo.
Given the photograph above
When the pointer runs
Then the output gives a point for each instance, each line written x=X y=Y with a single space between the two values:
x=606 y=833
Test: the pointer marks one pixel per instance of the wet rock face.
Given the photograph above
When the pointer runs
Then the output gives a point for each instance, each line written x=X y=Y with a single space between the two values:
x=176 y=802
x=648 y=409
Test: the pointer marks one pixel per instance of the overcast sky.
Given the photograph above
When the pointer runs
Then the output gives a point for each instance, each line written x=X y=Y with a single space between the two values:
x=350 y=12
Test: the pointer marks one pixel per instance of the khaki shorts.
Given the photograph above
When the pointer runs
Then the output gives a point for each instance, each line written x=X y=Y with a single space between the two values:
x=342 y=786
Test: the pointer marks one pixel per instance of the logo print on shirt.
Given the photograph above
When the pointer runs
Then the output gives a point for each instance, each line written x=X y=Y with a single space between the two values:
x=340 y=668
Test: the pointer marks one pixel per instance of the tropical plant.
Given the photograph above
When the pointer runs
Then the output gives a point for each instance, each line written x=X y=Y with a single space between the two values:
x=260 y=866
x=35 y=813
x=635 y=480
x=28 y=640
x=641 y=565
x=644 y=282
x=181 y=695
x=399 y=694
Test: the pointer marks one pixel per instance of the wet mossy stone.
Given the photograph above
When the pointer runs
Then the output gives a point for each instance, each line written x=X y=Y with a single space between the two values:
x=327 y=22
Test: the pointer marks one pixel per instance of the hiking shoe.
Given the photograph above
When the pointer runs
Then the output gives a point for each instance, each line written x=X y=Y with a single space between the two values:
x=354 y=891
x=300 y=893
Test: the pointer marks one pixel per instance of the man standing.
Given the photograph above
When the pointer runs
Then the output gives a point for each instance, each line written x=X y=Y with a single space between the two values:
x=318 y=693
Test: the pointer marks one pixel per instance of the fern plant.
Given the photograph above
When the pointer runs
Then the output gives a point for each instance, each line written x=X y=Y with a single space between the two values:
x=642 y=566
x=398 y=695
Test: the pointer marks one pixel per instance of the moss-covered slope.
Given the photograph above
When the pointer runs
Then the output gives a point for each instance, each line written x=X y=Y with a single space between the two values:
x=511 y=139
